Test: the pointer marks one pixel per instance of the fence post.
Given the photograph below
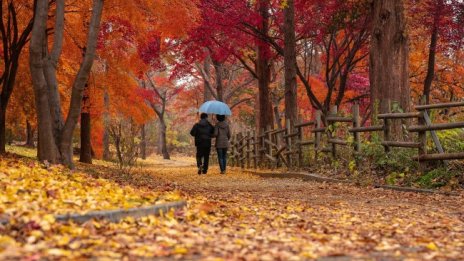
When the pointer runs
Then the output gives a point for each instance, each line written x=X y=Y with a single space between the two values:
x=248 y=152
x=300 y=147
x=232 y=150
x=317 y=136
x=262 y=149
x=333 y=112
x=237 y=149
x=288 y=142
x=269 y=147
x=275 y=139
x=356 y=124
x=386 y=129
x=422 y=140
x=255 y=150
x=243 y=150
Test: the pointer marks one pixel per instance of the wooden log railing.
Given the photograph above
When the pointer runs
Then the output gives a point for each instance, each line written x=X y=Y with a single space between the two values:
x=273 y=147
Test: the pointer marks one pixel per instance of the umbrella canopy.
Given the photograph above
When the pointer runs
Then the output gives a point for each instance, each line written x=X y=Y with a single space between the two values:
x=215 y=107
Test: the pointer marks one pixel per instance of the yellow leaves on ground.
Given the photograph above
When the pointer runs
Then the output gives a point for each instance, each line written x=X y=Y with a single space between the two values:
x=32 y=194
x=432 y=246
x=236 y=216
x=31 y=191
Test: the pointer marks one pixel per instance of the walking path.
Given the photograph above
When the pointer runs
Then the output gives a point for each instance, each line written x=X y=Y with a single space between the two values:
x=237 y=216
x=242 y=215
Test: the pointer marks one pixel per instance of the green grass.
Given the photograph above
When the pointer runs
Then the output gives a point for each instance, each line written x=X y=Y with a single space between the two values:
x=22 y=151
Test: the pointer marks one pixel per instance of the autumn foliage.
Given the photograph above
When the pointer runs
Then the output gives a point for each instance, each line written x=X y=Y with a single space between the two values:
x=207 y=50
x=121 y=82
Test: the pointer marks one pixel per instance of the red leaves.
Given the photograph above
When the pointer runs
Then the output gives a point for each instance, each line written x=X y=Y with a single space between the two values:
x=51 y=193
x=149 y=51
x=447 y=16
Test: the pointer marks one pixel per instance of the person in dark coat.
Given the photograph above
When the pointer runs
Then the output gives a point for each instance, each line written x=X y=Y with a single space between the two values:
x=203 y=132
x=222 y=134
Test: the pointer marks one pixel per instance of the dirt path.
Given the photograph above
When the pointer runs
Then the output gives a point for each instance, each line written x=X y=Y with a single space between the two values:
x=248 y=217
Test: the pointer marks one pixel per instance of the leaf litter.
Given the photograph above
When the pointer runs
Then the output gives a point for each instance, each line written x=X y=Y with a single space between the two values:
x=236 y=216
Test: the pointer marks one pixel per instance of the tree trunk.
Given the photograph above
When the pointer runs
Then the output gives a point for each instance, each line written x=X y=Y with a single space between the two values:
x=117 y=143
x=143 y=143
x=431 y=63
x=79 y=84
x=13 y=42
x=50 y=69
x=278 y=119
x=47 y=148
x=106 y=123
x=263 y=70
x=54 y=146
x=86 y=147
x=219 y=86
x=29 y=135
x=291 y=106
x=163 y=144
x=2 y=131
x=207 y=96
x=389 y=59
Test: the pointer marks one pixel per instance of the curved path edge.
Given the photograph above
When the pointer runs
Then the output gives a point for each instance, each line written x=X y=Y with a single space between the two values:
x=118 y=214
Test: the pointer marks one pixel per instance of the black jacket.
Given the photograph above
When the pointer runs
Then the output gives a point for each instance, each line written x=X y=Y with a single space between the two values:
x=203 y=132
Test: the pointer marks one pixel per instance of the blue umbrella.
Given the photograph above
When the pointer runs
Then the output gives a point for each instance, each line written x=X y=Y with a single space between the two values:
x=215 y=107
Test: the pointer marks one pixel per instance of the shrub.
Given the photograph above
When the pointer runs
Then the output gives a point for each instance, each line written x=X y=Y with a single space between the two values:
x=124 y=135
x=438 y=177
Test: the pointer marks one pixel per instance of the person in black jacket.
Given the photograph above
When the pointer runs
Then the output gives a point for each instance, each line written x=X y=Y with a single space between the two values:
x=203 y=132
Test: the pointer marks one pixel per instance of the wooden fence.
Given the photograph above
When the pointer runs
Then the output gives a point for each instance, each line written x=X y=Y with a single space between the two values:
x=284 y=147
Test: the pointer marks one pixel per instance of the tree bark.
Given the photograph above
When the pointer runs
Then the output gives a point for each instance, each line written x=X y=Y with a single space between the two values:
x=56 y=146
x=163 y=144
x=50 y=70
x=219 y=86
x=106 y=123
x=207 y=96
x=86 y=147
x=389 y=59
x=278 y=119
x=263 y=70
x=117 y=143
x=2 y=131
x=160 y=112
x=143 y=143
x=13 y=42
x=47 y=148
x=291 y=105
x=29 y=135
x=79 y=84
x=431 y=63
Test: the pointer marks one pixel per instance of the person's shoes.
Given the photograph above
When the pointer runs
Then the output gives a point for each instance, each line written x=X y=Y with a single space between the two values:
x=199 y=171
x=223 y=172
x=205 y=171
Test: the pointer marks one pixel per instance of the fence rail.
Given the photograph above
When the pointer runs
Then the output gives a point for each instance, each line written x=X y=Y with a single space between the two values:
x=285 y=146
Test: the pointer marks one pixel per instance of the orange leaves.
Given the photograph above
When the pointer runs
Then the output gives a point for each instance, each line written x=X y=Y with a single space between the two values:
x=174 y=24
x=319 y=88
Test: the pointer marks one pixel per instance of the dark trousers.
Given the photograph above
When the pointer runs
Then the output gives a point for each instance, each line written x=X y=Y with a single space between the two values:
x=203 y=158
x=222 y=158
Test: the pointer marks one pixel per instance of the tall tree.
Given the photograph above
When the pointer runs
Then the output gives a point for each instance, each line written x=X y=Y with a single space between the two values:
x=86 y=144
x=55 y=139
x=263 y=68
x=388 y=67
x=15 y=28
x=439 y=24
x=291 y=106
x=161 y=91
